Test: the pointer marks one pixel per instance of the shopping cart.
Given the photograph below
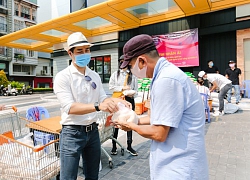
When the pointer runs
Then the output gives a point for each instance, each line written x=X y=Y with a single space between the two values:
x=19 y=158
x=106 y=132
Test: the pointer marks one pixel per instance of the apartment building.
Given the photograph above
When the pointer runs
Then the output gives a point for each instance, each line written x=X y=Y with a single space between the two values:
x=5 y=28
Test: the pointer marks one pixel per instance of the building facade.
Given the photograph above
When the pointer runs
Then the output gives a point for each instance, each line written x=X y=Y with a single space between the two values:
x=23 y=65
x=5 y=28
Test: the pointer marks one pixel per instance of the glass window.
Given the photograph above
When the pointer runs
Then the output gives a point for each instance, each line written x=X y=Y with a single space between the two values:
x=102 y=65
x=45 y=69
x=25 y=68
x=2 y=66
x=30 y=53
x=16 y=9
x=3 y=3
x=3 y=24
x=2 y=50
x=18 y=25
x=17 y=68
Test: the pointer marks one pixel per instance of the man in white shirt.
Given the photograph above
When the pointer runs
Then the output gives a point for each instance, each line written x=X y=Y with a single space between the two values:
x=80 y=93
x=224 y=85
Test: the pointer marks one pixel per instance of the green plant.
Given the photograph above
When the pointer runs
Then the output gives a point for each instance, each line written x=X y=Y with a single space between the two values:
x=3 y=79
x=16 y=84
x=42 y=89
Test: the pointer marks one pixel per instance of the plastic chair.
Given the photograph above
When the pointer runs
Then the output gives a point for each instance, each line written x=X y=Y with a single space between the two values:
x=35 y=113
x=246 y=88
x=206 y=106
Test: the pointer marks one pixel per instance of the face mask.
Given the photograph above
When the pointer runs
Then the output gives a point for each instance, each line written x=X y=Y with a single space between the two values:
x=211 y=64
x=231 y=65
x=82 y=60
x=204 y=78
x=140 y=73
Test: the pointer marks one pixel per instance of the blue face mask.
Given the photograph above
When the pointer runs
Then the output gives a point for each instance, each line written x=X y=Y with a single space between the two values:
x=211 y=64
x=82 y=60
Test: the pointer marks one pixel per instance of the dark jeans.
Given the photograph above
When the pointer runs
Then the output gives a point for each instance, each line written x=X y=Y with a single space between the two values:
x=129 y=133
x=73 y=144
x=222 y=94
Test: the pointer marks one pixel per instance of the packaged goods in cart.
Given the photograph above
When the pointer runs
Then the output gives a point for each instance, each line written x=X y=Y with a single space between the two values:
x=125 y=114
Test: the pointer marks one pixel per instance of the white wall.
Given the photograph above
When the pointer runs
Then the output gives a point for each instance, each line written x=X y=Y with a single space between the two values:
x=41 y=63
x=242 y=11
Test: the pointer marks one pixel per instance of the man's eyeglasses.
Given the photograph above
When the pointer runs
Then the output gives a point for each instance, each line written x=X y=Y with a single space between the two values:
x=93 y=84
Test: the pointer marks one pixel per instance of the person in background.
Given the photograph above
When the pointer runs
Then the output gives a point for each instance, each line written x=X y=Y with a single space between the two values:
x=222 y=83
x=211 y=68
x=121 y=80
x=176 y=123
x=81 y=94
x=234 y=74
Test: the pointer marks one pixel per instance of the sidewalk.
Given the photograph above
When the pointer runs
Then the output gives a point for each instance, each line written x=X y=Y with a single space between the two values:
x=227 y=145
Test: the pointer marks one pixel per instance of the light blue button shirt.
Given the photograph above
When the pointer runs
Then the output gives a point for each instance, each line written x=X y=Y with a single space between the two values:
x=175 y=102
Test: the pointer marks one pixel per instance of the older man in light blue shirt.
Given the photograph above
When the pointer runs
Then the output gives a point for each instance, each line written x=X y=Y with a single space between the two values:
x=176 y=125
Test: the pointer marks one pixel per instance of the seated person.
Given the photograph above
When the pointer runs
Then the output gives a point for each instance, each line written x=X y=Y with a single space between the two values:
x=201 y=88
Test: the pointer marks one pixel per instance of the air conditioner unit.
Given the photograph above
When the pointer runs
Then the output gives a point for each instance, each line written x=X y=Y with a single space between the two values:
x=42 y=72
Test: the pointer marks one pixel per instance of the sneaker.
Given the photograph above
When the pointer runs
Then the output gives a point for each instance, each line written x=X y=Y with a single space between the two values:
x=218 y=113
x=114 y=151
x=132 y=151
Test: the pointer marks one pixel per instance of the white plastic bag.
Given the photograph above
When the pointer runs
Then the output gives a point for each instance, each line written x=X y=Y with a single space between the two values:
x=230 y=108
x=27 y=140
x=129 y=92
x=125 y=114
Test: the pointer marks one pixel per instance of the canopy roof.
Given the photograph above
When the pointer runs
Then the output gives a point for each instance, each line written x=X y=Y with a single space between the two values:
x=109 y=16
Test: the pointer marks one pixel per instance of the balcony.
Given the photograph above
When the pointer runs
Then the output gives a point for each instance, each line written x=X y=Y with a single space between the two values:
x=19 y=57
x=3 y=28
x=26 y=16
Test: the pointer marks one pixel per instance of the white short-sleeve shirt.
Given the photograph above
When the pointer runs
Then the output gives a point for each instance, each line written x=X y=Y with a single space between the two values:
x=175 y=102
x=70 y=86
x=220 y=80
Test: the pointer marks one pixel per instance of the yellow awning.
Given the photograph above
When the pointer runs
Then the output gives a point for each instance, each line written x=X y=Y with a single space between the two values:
x=109 y=16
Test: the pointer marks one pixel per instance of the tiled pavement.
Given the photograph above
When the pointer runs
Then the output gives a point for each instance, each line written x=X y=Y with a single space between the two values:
x=227 y=144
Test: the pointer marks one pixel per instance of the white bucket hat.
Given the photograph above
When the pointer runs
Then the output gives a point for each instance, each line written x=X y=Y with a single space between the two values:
x=77 y=39
x=201 y=74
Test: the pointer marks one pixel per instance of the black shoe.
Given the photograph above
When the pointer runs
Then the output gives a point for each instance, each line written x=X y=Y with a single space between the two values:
x=113 y=151
x=132 y=151
x=237 y=102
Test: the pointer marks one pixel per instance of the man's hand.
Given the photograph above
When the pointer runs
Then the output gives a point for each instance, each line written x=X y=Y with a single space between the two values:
x=109 y=105
x=122 y=124
x=126 y=103
x=126 y=87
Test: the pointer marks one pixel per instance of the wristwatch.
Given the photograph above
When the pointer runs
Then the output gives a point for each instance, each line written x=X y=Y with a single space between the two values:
x=96 y=106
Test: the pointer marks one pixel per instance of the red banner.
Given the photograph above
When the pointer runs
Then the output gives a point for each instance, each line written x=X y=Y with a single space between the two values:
x=180 y=48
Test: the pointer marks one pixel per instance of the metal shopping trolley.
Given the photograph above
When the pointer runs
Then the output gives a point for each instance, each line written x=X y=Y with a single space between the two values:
x=106 y=132
x=27 y=150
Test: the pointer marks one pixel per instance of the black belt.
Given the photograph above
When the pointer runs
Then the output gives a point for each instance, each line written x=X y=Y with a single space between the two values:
x=86 y=128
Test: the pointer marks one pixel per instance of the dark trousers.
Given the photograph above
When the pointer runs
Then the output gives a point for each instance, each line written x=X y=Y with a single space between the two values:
x=73 y=144
x=129 y=133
